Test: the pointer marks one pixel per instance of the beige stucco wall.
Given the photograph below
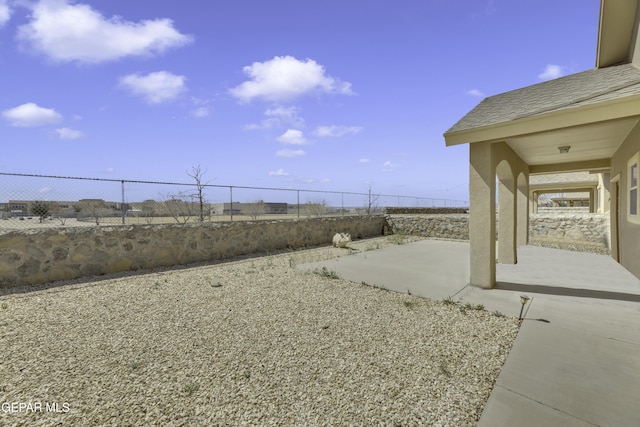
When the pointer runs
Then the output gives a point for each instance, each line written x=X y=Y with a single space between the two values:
x=41 y=256
x=629 y=243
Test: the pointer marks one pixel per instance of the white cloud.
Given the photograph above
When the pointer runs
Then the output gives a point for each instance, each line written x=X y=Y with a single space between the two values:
x=279 y=172
x=155 y=88
x=68 y=32
x=279 y=116
x=389 y=166
x=552 y=72
x=30 y=115
x=200 y=112
x=287 y=115
x=292 y=137
x=5 y=12
x=336 y=131
x=290 y=153
x=284 y=78
x=67 y=133
x=314 y=180
x=364 y=160
x=475 y=92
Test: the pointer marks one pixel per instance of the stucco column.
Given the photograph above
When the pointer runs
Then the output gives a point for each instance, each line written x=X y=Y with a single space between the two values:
x=522 y=211
x=506 y=221
x=592 y=200
x=482 y=215
x=605 y=195
x=534 y=202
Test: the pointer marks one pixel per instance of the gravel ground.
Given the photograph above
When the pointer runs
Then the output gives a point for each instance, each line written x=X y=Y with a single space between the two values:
x=251 y=342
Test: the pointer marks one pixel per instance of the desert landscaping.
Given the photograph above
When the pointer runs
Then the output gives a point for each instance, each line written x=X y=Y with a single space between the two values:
x=253 y=341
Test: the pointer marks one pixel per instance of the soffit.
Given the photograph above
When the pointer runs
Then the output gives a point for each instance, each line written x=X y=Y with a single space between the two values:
x=615 y=32
x=588 y=142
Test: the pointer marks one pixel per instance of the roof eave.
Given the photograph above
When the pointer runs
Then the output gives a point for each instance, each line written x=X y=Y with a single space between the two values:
x=615 y=32
x=559 y=119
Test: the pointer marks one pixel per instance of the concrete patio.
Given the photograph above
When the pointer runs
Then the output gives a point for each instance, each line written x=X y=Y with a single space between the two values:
x=576 y=360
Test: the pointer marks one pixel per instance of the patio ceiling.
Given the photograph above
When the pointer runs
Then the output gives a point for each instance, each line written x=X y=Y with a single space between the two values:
x=593 y=141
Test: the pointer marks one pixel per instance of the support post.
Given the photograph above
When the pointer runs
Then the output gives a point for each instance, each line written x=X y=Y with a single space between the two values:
x=122 y=206
x=482 y=215
x=507 y=219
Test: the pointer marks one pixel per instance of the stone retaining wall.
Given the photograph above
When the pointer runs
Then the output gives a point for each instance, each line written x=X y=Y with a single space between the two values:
x=424 y=211
x=453 y=226
x=592 y=228
x=575 y=231
x=41 y=256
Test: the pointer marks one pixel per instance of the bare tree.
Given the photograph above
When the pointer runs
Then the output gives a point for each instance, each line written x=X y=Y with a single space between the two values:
x=62 y=212
x=179 y=207
x=93 y=208
x=148 y=210
x=372 y=202
x=198 y=176
x=317 y=209
x=545 y=199
x=255 y=209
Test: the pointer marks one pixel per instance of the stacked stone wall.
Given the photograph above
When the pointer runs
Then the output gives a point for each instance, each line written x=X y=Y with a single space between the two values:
x=40 y=256
x=453 y=226
x=424 y=211
x=574 y=231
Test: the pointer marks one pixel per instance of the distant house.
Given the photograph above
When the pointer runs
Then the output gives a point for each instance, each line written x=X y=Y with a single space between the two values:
x=263 y=208
x=588 y=121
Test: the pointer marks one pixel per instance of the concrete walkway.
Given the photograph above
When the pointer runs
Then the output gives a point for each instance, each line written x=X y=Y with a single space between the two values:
x=576 y=360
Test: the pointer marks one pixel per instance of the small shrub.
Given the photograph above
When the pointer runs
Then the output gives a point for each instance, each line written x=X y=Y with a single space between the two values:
x=498 y=314
x=135 y=365
x=444 y=371
x=190 y=388
x=410 y=304
x=449 y=301
x=5 y=305
x=324 y=272
x=399 y=239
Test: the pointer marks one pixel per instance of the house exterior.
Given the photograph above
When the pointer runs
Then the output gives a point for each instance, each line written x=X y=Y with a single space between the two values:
x=584 y=122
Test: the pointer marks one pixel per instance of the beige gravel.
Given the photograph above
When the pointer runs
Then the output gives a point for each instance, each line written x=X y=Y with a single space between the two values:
x=251 y=342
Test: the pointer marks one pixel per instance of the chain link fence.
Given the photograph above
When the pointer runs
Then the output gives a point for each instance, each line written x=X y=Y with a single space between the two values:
x=29 y=201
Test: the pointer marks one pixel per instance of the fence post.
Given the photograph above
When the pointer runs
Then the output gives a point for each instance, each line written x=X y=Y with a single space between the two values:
x=122 y=206
x=298 y=193
x=230 y=202
x=342 y=207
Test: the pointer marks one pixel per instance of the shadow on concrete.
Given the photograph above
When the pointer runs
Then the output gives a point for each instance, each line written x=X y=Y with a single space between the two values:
x=570 y=292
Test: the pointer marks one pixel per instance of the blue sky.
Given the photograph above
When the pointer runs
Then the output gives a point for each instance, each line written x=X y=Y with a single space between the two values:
x=317 y=94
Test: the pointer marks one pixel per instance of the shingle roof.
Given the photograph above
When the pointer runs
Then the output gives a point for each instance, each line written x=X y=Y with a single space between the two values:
x=587 y=87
